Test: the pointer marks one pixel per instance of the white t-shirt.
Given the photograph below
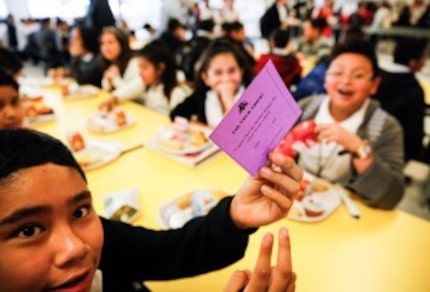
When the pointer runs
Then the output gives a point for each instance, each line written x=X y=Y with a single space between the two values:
x=325 y=154
x=155 y=99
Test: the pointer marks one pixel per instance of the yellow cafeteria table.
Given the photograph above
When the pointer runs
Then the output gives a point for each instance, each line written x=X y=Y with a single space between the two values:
x=382 y=251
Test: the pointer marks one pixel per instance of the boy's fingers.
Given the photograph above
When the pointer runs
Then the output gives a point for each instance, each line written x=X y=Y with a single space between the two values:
x=287 y=165
x=261 y=274
x=237 y=282
x=282 y=274
x=279 y=198
x=292 y=284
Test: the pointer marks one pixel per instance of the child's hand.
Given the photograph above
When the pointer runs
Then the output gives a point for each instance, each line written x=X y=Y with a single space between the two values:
x=267 y=278
x=112 y=72
x=335 y=133
x=226 y=91
x=267 y=197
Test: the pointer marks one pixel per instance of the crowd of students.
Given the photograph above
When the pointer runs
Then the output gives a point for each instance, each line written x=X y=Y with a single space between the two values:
x=369 y=122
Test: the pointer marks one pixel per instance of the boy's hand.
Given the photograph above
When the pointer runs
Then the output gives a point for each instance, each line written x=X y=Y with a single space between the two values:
x=268 y=196
x=264 y=277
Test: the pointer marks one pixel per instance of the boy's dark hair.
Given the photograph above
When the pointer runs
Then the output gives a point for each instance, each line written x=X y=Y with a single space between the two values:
x=280 y=37
x=408 y=49
x=24 y=148
x=157 y=53
x=173 y=24
x=353 y=33
x=318 y=23
x=357 y=46
x=7 y=79
x=206 y=25
x=9 y=61
x=229 y=27
x=89 y=38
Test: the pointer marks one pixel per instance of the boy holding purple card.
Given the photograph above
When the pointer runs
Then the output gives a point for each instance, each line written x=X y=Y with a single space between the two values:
x=54 y=240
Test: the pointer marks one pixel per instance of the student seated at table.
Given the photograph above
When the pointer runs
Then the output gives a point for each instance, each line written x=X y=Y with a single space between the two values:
x=54 y=240
x=359 y=144
x=10 y=63
x=401 y=94
x=121 y=77
x=285 y=61
x=86 y=65
x=162 y=91
x=11 y=109
x=313 y=42
x=235 y=32
x=222 y=76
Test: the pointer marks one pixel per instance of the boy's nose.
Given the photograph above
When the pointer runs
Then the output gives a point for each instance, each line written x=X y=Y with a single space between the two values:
x=69 y=248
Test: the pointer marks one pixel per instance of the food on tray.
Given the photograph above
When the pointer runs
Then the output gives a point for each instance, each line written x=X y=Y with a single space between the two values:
x=75 y=91
x=121 y=119
x=180 y=136
x=30 y=111
x=198 y=138
x=76 y=141
x=86 y=159
x=83 y=159
x=171 y=144
x=36 y=106
x=180 y=124
x=313 y=205
x=304 y=185
x=320 y=187
x=193 y=204
x=110 y=121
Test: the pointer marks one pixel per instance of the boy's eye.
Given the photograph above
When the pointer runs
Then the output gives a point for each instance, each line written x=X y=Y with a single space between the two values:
x=81 y=212
x=28 y=231
x=16 y=101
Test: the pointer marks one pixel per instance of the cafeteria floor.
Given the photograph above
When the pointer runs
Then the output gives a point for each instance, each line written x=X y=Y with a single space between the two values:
x=417 y=195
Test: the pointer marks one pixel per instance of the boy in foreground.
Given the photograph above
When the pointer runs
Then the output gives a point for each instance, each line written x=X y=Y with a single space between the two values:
x=51 y=239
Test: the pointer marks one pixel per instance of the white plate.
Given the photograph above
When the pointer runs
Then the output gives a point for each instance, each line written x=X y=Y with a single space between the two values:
x=82 y=92
x=98 y=153
x=330 y=201
x=33 y=121
x=102 y=123
x=35 y=81
x=167 y=133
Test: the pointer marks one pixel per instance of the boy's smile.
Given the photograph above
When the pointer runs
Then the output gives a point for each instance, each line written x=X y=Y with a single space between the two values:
x=48 y=230
x=349 y=83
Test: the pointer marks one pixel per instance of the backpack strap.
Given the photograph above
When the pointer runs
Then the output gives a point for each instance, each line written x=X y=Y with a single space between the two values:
x=312 y=107
x=376 y=124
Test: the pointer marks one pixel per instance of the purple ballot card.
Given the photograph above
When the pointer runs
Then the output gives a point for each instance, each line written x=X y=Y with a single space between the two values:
x=258 y=121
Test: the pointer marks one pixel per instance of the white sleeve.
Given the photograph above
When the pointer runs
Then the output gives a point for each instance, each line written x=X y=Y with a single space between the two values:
x=131 y=84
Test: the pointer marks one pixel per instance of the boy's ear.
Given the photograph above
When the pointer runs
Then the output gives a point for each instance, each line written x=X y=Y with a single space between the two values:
x=376 y=82
x=413 y=64
x=161 y=67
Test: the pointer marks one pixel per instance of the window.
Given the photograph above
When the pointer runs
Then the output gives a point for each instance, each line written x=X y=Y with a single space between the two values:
x=3 y=10
x=66 y=9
